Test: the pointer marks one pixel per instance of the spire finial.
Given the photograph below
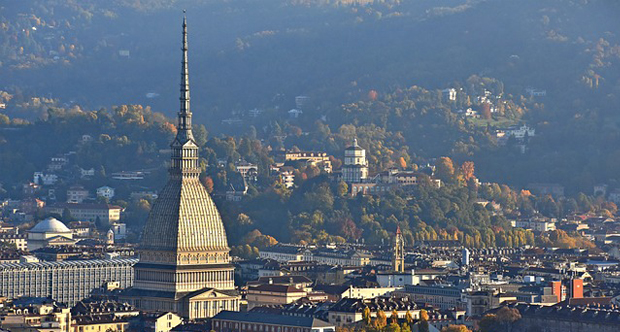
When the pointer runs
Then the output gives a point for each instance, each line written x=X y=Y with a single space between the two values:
x=184 y=155
x=185 y=115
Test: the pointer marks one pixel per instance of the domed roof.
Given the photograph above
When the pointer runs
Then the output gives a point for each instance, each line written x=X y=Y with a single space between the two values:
x=354 y=147
x=50 y=225
x=184 y=218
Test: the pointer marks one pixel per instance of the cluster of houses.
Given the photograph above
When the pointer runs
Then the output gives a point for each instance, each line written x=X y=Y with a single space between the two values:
x=454 y=285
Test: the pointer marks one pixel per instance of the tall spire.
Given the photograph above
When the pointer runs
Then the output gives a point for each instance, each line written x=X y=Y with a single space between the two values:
x=184 y=147
x=185 y=115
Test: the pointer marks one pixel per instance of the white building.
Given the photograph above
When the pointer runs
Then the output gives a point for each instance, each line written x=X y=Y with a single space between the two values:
x=288 y=178
x=66 y=281
x=301 y=101
x=87 y=172
x=105 y=191
x=520 y=132
x=283 y=254
x=465 y=257
x=49 y=232
x=355 y=168
x=449 y=94
x=535 y=92
x=255 y=112
x=295 y=113
x=539 y=225
x=45 y=179
x=397 y=279
x=367 y=293
x=120 y=231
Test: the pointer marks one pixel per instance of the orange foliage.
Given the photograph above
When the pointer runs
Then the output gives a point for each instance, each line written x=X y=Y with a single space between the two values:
x=467 y=169
x=372 y=95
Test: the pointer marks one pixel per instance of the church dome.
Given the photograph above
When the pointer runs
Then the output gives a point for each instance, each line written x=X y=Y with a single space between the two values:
x=50 y=225
x=354 y=147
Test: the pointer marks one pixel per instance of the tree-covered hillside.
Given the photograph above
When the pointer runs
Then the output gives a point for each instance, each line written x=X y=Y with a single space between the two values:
x=374 y=70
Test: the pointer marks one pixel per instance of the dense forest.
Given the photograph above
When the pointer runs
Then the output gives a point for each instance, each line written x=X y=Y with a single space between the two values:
x=248 y=54
x=317 y=210
x=374 y=70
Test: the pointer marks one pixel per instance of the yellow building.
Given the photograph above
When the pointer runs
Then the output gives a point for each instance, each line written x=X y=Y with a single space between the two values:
x=106 y=213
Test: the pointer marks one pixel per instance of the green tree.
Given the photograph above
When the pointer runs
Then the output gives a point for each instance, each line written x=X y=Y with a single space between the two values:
x=66 y=215
x=445 y=169
x=200 y=135
x=4 y=120
x=393 y=327
x=455 y=328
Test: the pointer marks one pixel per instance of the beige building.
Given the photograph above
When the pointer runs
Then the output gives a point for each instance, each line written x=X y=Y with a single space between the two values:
x=316 y=159
x=273 y=295
x=184 y=262
x=100 y=323
x=77 y=194
x=338 y=257
x=40 y=317
x=88 y=212
x=163 y=322
x=18 y=240
x=348 y=311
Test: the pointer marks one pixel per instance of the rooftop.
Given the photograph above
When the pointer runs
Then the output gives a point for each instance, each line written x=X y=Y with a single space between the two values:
x=50 y=225
x=253 y=317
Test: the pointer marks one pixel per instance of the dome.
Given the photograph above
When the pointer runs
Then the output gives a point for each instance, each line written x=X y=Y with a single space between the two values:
x=184 y=218
x=50 y=225
x=354 y=147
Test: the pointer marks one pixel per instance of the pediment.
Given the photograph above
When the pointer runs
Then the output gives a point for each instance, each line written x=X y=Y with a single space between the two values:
x=60 y=239
x=207 y=295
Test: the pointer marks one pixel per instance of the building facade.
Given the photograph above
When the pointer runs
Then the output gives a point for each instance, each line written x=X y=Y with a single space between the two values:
x=355 y=167
x=398 y=260
x=250 y=321
x=105 y=191
x=77 y=194
x=184 y=262
x=67 y=281
x=439 y=296
x=88 y=212
x=18 y=240
x=49 y=232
